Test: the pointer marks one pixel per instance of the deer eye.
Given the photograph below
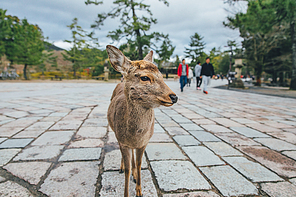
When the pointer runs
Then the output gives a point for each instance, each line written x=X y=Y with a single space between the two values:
x=145 y=78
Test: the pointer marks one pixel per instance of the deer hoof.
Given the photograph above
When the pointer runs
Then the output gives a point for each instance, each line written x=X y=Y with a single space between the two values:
x=121 y=171
x=139 y=196
x=135 y=181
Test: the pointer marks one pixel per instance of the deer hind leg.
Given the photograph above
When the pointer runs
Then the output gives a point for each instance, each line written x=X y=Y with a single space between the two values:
x=126 y=155
x=121 y=166
x=134 y=171
x=139 y=155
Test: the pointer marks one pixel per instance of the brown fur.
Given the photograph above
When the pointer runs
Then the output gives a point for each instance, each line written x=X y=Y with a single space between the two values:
x=131 y=114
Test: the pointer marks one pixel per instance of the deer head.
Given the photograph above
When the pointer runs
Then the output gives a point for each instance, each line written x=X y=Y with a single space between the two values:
x=143 y=82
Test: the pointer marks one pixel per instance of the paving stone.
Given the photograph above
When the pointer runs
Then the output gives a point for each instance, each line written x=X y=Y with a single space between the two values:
x=243 y=120
x=193 y=194
x=29 y=171
x=51 y=119
x=176 y=131
x=160 y=137
x=9 y=188
x=203 y=121
x=158 y=129
x=169 y=124
x=81 y=154
x=39 y=153
x=72 y=179
x=275 y=161
x=236 y=139
x=98 y=122
x=29 y=134
x=291 y=130
x=66 y=125
x=276 y=144
x=16 y=143
x=113 y=185
x=7 y=154
x=2 y=179
x=191 y=127
x=17 y=114
x=8 y=131
x=286 y=136
x=185 y=140
x=86 y=143
x=20 y=123
x=226 y=122
x=174 y=175
x=40 y=126
x=282 y=189
x=112 y=138
x=112 y=161
x=201 y=156
x=291 y=154
x=53 y=138
x=253 y=171
x=163 y=151
x=2 y=139
x=92 y=132
x=248 y=132
x=204 y=136
x=228 y=181
x=262 y=127
x=293 y=181
x=222 y=149
x=216 y=128
x=180 y=119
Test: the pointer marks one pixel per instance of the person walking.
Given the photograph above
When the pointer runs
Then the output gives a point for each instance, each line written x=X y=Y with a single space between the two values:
x=197 y=71
x=183 y=74
x=190 y=76
x=207 y=72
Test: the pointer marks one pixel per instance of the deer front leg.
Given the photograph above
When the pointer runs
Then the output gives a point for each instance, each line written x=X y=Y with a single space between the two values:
x=139 y=155
x=126 y=155
x=134 y=172
x=121 y=165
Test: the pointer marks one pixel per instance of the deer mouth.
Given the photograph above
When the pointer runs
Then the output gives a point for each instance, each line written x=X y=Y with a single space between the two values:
x=164 y=102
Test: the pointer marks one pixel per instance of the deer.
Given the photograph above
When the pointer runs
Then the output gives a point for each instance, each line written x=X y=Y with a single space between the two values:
x=131 y=110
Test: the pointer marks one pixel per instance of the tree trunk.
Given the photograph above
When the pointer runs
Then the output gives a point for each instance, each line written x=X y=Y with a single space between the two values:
x=25 y=72
x=138 y=33
x=293 y=77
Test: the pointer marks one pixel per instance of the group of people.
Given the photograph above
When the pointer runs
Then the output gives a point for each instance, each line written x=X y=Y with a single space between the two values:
x=203 y=74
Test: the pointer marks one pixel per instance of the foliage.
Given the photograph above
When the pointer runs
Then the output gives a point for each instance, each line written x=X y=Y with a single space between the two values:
x=195 y=52
x=136 y=20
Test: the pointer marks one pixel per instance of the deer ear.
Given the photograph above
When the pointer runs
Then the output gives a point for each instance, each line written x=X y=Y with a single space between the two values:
x=149 y=57
x=118 y=61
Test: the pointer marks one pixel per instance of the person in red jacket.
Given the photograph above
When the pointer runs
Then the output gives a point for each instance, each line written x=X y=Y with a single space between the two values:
x=183 y=74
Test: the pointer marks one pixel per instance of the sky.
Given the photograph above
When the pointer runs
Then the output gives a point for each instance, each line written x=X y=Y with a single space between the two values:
x=181 y=19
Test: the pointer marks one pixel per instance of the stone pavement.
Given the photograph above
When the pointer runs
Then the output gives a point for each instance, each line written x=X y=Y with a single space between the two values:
x=55 y=141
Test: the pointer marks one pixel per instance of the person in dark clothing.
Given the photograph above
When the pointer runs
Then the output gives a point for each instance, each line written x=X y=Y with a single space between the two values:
x=197 y=71
x=207 y=72
x=183 y=74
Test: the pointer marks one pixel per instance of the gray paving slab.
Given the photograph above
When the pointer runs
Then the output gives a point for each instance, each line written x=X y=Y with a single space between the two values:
x=193 y=194
x=112 y=161
x=16 y=143
x=191 y=127
x=96 y=122
x=2 y=179
x=174 y=175
x=7 y=154
x=248 y=132
x=163 y=151
x=186 y=140
x=160 y=137
x=2 y=139
x=236 y=139
x=158 y=129
x=77 y=154
x=253 y=171
x=53 y=138
x=226 y=122
x=39 y=153
x=291 y=154
x=286 y=136
x=202 y=156
x=29 y=171
x=176 y=131
x=222 y=149
x=113 y=184
x=282 y=189
x=10 y=188
x=216 y=128
x=228 y=181
x=86 y=143
x=91 y=132
x=66 y=125
x=9 y=131
x=204 y=136
x=72 y=179
x=203 y=121
x=276 y=144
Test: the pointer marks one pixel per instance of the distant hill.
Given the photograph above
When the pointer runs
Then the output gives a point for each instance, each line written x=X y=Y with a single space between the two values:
x=49 y=46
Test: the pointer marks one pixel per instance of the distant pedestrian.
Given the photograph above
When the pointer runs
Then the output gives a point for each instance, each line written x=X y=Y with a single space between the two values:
x=197 y=71
x=207 y=72
x=190 y=76
x=183 y=74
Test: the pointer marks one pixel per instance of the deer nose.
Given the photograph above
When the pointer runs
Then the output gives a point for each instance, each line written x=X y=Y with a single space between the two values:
x=174 y=98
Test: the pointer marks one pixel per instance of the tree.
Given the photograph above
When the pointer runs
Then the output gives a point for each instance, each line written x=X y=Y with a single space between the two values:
x=133 y=27
x=29 y=45
x=196 y=49
x=166 y=51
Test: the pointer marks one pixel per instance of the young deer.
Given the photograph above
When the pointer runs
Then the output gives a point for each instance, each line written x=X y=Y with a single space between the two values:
x=131 y=114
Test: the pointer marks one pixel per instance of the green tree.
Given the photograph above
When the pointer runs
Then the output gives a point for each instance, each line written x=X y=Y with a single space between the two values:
x=136 y=20
x=166 y=51
x=195 y=50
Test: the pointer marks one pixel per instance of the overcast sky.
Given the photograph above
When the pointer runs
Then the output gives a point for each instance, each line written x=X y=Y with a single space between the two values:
x=181 y=19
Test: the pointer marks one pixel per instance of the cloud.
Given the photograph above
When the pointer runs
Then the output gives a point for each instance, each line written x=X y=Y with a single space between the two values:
x=180 y=20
